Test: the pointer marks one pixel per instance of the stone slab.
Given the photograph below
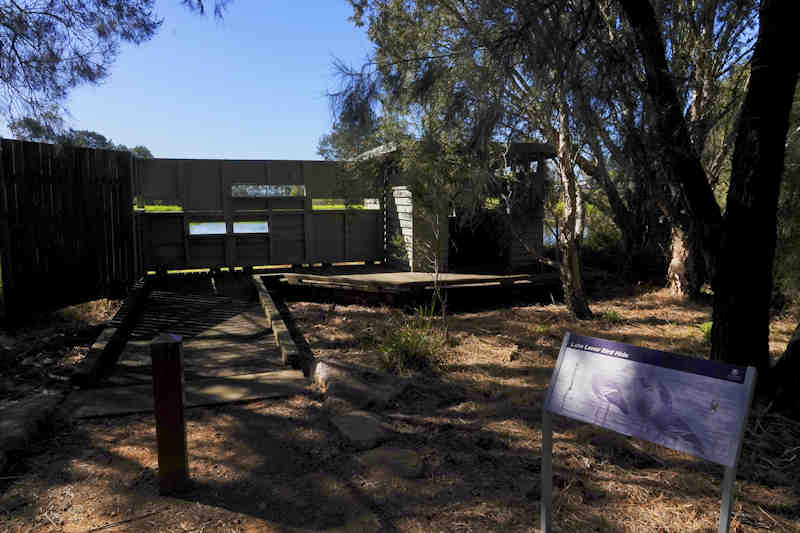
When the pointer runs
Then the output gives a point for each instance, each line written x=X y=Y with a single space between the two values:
x=360 y=428
x=114 y=401
x=364 y=388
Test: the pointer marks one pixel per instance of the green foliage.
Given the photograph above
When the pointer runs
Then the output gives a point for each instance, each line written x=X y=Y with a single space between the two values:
x=413 y=344
x=48 y=48
x=705 y=328
x=142 y=151
x=787 y=253
x=159 y=209
x=31 y=129
x=612 y=317
x=601 y=231
x=398 y=249
x=346 y=141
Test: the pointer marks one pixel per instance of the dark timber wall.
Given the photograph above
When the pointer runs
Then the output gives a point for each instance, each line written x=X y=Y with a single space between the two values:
x=256 y=212
x=66 y=226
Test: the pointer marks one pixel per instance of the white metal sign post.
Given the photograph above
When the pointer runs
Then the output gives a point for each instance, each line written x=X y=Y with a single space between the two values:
x=691 y=405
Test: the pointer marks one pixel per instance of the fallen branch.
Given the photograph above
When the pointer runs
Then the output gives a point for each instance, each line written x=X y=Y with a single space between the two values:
x=51 y=521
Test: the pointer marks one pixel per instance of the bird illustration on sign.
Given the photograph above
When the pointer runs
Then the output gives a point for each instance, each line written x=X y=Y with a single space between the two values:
x=648 y=401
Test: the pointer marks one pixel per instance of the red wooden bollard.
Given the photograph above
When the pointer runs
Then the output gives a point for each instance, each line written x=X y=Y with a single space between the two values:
x=166 y=352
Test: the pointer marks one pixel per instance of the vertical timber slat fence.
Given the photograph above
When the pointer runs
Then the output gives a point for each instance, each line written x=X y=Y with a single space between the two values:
x=66 y=226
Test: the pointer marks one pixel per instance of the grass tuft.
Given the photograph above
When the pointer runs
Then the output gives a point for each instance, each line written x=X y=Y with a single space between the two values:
x=612 y=317
x=413 y=344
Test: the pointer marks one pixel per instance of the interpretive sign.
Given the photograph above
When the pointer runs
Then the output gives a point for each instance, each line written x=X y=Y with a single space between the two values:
x=696 y=406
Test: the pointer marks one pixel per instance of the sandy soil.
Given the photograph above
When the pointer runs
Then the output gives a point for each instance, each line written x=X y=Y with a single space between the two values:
x=280 y=466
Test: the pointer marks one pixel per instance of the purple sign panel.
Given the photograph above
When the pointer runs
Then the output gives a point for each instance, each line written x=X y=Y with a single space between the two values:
x=691 y=405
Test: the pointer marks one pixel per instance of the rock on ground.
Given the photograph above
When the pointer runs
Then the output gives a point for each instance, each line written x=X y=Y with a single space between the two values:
x=360 y=428
x=363 y=387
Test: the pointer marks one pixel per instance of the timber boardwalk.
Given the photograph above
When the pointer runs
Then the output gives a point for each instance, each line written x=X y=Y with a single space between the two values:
x=229 y=353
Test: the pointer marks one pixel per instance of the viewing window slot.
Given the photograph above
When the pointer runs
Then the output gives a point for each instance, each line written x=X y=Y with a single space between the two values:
x=207 y=228
x=251 y=226
x=254 y=190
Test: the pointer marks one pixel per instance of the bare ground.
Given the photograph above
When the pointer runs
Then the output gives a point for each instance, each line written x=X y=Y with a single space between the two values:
x=280 y=466
x=42 y=354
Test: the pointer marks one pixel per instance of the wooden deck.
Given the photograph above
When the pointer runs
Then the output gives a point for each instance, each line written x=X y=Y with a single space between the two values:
x=378 y=279
x=229 y=355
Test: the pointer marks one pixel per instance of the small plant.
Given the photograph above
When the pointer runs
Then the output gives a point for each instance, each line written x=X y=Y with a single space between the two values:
x=414 y=344
x=612 y=317
x=705 y=327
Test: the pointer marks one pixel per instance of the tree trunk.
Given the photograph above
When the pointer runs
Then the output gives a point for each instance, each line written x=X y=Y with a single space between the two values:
x=569 y=243
x=676 y=154
x=571 y=279
x=739 y=250
x=743 y=277
x=784 y=378
x=634 y=219
x=686 y=272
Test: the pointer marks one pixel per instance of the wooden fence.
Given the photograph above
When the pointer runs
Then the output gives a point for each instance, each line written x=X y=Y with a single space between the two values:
x=66 y=226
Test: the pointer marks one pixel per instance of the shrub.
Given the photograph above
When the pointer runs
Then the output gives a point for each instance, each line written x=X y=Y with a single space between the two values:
x=413 y=344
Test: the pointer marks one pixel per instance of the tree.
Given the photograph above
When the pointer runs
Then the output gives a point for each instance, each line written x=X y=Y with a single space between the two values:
x=142 y=151
x=710 y=45
x=48 y=48
x=87 y=139
x=639 y=54
x=346 y=142
x=468 y=73
x=739 y=245
x=200 y=6
x=356 y=127
x=30 y=129
x=788 y=245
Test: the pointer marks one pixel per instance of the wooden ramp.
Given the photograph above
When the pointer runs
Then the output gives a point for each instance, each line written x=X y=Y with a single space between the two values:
x=228 y=350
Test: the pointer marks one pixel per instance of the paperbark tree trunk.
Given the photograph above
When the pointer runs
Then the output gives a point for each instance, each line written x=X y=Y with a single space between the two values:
x=569 y=241
x=686 y=271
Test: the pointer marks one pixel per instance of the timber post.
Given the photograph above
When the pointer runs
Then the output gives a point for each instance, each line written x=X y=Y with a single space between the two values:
x=166 y=352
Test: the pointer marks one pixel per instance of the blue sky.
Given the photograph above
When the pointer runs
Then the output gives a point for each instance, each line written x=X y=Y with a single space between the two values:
x=251 y=86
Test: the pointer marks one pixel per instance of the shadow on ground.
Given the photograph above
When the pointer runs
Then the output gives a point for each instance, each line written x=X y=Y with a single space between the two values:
x=279 y=465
